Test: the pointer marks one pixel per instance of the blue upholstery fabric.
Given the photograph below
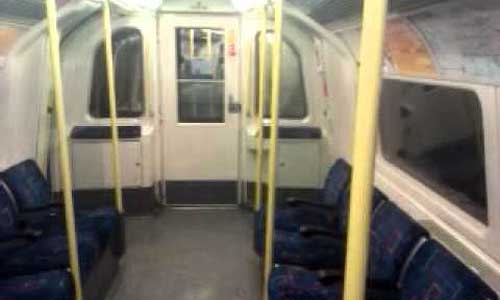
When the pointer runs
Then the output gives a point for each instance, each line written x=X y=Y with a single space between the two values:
x=312 y=252
x=8 y=223
x=31 y=191
x=102 y=222
x=292 y=284
x=336 y=182
x=30 y=188
x=393 y=235
x=291 y=218
x=435 y=274
x=54 y=285
x=49 y=253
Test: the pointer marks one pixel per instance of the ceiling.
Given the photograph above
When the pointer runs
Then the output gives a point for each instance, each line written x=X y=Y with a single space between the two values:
x=324 y=11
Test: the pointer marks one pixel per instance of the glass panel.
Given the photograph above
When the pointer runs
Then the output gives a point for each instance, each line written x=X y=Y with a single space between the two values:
x=129 y=77
x=200 y=53
x=200 y=71
x=435 y=134
x=293 y=103
x=202 y=102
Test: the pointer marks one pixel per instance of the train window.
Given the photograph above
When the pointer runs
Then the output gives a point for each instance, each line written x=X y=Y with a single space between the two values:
x=200 y=75
x=435 y=134
x=129 y=77
x=293 y=104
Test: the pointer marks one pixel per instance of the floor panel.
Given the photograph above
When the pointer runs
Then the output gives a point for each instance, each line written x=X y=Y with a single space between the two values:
x=189 y=255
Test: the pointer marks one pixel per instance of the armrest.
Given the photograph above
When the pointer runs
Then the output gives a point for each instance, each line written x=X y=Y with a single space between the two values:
x=330 y=276
x=50 y=206
x=309 y=231
x=293 y=201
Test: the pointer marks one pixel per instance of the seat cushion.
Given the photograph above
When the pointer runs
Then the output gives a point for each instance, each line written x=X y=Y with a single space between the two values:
x=393 y=235
x=28 y=184
x=8 y=213
x=336 y=182
x=312 y=252
x=54 y=285
x=291 y=219
x=102 y=222
x=434 y=273
x=342 y=213
x=288 y=283
x=50 y=253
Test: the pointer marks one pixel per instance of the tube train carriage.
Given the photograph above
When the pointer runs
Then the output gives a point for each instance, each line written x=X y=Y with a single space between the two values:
x=271 y=149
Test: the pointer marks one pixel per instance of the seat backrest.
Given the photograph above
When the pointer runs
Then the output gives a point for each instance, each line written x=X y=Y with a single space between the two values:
x=434 y=273
x=8 y=211
x=28 y=184
x=393 y=236
x=344 y=206
x=336 y=182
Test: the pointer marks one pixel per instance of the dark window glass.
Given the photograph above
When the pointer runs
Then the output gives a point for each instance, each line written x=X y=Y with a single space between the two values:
x=200 y=75
x=435 y=134
x=292 y=103
x=129 y=77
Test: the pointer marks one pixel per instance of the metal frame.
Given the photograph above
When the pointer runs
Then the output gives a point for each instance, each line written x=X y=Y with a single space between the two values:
x=110 y=73
x=273 y=145
x=260 y=113
x=365 y=135
x=69 y=211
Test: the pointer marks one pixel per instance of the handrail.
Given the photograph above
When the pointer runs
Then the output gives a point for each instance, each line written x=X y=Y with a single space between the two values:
x=273 y=144
x=260 y=113
x=110 y=73
x=64 y=163
x=367 y=104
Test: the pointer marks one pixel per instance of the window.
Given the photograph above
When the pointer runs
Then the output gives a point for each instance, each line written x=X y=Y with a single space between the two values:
x=435 y=134
x=129 y=77
x=200 y=75
x=293 y=104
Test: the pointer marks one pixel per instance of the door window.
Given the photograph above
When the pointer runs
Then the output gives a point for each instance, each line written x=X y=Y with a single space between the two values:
x=200 y=75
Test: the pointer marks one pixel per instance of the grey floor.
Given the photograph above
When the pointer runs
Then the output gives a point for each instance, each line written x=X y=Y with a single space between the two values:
x=189 y=255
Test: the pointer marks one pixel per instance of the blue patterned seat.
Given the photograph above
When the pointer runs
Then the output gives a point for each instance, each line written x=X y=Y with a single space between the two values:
x=26 y=251
x=49 y=253
x=33 y=198
x=400 y=270
x=435 y=274
x=291 y=217
x=393 y=235
x=54 y=285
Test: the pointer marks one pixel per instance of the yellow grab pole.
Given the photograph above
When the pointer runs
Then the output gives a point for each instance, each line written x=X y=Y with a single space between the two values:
x=260 y=113
x=367 y=104
x=69 y=211
x=110 y=72
x=273 y=144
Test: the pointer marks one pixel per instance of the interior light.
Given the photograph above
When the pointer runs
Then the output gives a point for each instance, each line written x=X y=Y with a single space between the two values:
x=245 y=5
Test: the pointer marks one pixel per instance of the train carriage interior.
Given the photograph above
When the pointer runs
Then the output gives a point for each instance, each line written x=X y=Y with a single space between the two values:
x=249 y=149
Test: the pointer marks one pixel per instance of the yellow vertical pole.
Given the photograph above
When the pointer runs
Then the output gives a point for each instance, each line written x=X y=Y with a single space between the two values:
x=260 y=113
x=69 y=211
x=273 y=144
x=209 y=43
x=110 y=72
x=367 y=104
x=191 y=42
